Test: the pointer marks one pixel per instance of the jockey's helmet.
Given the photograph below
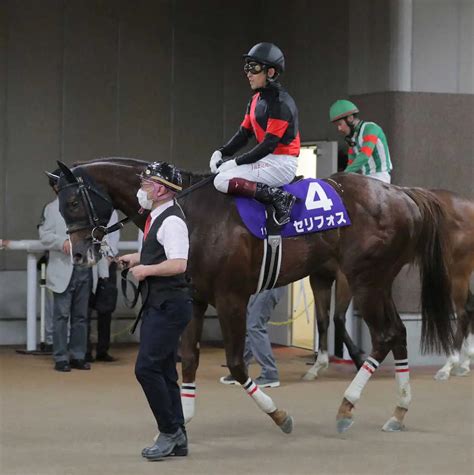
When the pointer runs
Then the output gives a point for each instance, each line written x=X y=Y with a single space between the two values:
x=342 y=108
x=267 y=54
x=164 y=173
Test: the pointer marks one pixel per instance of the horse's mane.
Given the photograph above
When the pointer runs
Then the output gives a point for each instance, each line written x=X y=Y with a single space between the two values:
x=189 y=177
x=113 y=160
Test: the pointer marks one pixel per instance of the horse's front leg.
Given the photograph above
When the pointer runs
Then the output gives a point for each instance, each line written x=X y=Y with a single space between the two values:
x=232 y=312
x=190 y=346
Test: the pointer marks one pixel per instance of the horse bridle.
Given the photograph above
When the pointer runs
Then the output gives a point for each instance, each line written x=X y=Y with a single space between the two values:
x=93 y=220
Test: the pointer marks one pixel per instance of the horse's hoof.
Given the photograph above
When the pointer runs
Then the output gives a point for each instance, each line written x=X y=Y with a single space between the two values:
x=393 y=425
x=344 y=424
x=309 y=376
x=287 y=426
x=460 y=371
x=441 y=375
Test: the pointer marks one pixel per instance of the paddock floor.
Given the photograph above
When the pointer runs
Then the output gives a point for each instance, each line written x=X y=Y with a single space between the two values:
x=97 y=422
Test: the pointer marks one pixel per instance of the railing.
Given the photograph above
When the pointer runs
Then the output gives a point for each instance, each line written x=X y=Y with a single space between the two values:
x=32 y=249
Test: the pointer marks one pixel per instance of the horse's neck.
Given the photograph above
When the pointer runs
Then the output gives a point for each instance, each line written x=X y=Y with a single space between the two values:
x=121 y=185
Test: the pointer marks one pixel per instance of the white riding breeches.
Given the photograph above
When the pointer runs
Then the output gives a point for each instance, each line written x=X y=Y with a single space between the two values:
x=272 y=170
x=382 y=176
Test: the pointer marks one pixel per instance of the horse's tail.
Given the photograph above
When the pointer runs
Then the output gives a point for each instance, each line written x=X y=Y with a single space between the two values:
x=437 y=309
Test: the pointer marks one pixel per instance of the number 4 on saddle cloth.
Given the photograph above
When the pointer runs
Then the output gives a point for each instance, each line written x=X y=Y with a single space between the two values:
x=318 y=208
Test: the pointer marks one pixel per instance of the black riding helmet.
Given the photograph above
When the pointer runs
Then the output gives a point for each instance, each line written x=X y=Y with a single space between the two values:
x=267 y=54
x=165 y=173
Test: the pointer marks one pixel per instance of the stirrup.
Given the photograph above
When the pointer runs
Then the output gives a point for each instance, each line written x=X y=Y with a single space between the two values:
x=280 y=223
x=288 y=218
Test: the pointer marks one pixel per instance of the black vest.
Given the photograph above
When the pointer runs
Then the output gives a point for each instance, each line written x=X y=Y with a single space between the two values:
x=157 y=289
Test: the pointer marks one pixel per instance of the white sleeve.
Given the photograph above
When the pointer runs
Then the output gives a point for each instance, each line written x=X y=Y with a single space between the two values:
x=173 y=236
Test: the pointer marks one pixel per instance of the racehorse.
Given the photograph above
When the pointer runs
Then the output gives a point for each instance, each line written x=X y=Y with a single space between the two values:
x=390 y=227
x=459 y=214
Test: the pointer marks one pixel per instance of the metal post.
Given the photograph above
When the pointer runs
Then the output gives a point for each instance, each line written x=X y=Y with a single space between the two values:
x=42 y=303
x=31 y=303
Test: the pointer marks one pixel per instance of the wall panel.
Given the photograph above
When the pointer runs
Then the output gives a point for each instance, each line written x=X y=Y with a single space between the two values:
x=90 y=80
x=33 y=114
x=3 y=121
x=144 y=80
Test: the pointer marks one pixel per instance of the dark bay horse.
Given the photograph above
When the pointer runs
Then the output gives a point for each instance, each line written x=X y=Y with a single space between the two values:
x=459 y=214
x=390 y=227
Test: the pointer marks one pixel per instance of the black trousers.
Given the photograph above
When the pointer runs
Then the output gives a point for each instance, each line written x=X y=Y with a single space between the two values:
x=155 y=368
x=104 y=321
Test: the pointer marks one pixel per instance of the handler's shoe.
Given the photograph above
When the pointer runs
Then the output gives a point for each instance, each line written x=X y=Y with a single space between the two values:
x=267 y=383
x=229 y=379
x=167 y=445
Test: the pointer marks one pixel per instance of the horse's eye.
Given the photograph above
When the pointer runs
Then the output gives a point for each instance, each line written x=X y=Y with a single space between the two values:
x=75 y=204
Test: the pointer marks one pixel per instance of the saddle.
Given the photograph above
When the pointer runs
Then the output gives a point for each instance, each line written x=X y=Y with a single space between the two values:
x=319 y=207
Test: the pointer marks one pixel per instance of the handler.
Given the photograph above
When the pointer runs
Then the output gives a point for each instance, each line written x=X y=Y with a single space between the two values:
x=167 y=304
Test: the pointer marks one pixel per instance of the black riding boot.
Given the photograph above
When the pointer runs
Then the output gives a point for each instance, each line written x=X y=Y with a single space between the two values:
x=281 y=200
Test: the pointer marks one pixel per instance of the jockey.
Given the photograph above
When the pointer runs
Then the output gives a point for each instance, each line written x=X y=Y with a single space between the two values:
x=272 y=117
x=368 y=148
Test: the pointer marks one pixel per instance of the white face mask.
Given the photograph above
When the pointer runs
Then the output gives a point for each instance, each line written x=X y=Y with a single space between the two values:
x=143 y=200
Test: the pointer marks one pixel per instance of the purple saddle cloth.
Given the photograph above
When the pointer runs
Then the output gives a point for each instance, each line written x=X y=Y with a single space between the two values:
x=317 y=208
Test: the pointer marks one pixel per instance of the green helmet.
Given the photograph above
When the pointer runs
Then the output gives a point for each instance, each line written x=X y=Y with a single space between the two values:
x=342 y=108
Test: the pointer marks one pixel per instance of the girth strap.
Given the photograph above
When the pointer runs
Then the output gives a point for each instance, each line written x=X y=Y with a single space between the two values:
x=272 y=252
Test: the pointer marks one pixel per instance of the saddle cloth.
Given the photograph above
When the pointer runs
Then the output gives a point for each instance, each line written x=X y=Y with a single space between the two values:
x=318 y=208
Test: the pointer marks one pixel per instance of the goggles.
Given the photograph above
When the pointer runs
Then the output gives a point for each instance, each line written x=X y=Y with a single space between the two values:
x=253 y=67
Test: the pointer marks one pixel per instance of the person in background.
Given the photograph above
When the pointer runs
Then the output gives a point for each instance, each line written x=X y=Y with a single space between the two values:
x=71 y=287
x=368 y=151
x=105 y=298
x=257 y=342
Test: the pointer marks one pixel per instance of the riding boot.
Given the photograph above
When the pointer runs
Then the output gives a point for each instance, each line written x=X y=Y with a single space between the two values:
x=281 y=200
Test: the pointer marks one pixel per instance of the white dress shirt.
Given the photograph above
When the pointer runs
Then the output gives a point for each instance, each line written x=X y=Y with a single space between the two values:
x=172 y=234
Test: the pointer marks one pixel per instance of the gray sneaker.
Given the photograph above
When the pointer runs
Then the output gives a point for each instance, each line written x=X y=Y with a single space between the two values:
x=167 y=445
x=229 y=379
x=267 y=383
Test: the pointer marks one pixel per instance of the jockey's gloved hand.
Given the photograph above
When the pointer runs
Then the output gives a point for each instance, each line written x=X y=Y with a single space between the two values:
x=215 y=159
x=227 y=165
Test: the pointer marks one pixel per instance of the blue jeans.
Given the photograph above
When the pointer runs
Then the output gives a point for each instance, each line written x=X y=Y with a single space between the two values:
x=72 y=304
x=155 y=368
x=257 y=342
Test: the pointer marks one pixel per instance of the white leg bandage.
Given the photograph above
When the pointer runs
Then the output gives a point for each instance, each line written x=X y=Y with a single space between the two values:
x=354 y=390
x=188 y=400
x=469 y=346
x=321 y=364
x=264 y=402
x=402 y=376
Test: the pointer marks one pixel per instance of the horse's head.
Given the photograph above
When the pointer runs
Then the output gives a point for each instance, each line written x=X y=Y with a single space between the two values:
x=86 y=208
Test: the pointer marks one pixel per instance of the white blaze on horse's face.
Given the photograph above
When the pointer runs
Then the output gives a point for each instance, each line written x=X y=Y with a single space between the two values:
x=84 y=251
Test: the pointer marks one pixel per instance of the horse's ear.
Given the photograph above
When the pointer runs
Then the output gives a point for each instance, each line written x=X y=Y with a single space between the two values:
x=52 y=177
x=67 y=172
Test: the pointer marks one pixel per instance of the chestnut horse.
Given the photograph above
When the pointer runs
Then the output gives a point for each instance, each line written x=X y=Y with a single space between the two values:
x=390 y=227
x=460 y=227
